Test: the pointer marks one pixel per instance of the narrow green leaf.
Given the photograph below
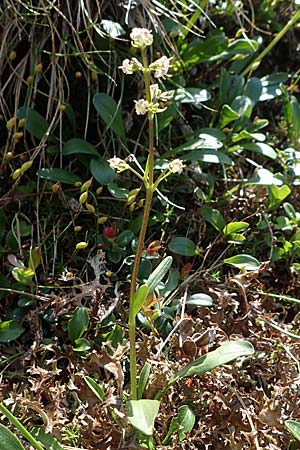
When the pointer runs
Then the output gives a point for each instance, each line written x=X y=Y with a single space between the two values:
x=243 y=262
x=46 y=439
x=158 y=274
x=186 y=421
x=261 y=148
x=8 y=441
x=142 y=414
x=139 y=299
x=224 y=354
x=78 y=324
x=294 y=428
x=182 y=246
x=79 y=146
x=10 y=330
x=95 y=388
x=60 y=175
x=143 y=380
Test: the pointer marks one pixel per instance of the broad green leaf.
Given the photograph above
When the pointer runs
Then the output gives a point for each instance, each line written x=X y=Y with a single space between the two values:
x=243 y=262
x=46 y=439
x=95 y=388
x=124 y=238
x=181 y=424
x=110 y=113
x=142 y=414
x=214 y=217
x=143 y=379
x=59 y=175
x=244 y=134
x=191 y=95
x=253 y=89
x=10 y=330
x=113 y=29
x=139 y=300
x=158 y=274
x=101 y=171
x=264 y=177
x=201 y=49
x=227 y=115
x=23 y=275
x=235 y=227
x=277 y=194
x=199 y=299
x=8 y=440
x=78 y=323
x=182 y=246
x=208 y=156
x=242 y=105
x=290 y=211
x=116 y=191
x=224 y=354
x=235 y=238
x=230 y=86
x=263 y=149
x=203 y=141
x=294 y=428
x=79 y=146
x=35 y=124
x=81 y=345
x=271 y=85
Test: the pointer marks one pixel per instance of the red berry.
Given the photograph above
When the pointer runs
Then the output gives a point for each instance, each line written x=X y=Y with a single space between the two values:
x=109 y=232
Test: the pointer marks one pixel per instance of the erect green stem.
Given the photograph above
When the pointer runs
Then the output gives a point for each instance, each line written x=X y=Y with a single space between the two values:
x=22 y=430
x=254 y=64
x=149 y=185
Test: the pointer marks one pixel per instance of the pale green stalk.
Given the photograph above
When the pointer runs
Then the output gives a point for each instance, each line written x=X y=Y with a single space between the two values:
x=22 y=430
x=149 y=185
x=254 y=64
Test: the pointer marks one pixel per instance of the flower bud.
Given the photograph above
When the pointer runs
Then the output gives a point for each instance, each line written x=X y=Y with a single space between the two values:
x=78 y=184
x=21 y=123
x=83 y=198
x=78 y=74
x=99 y=190
x=77 y=228
x=132 y=207
x=9 y=156
x=38 y=69
x=11 y=123
x=94 y=75
x=26 y=166
x=102 y=220
x=12 y=55
x=17 y=135
x=81 y=245
x=62 y=107
x=55 y=188
x=30 y=80
x=86 y=185
x=16 y=174
x=90 y=208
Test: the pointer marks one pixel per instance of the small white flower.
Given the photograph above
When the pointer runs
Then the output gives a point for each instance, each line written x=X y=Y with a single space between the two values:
x=161 y=67
x=127 y=66
x=141 y=37
x=141 y=106
x=176 y=166
x=157 y=95
x=118 y=164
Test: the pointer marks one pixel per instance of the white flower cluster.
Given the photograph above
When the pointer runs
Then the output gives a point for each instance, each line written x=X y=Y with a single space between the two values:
x=141 y=37
x=118 y=164
x=176 y=166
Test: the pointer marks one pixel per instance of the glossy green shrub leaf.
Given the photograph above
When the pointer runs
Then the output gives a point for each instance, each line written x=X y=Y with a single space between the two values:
x=294 y=428
x=35 y=124
x=159 y=273
x=8 y=440
x=78 y=323
x=290 y=211
x=228 y=115
x=230 y=86
x=264 y=177
x=235 y=238
x=199 y=299
x=81 y=345
x=110 y=113
x=143 y=379
x=202 y=49
x=276 y=195
x=261 y=148
x=77 y=146
x=23 y=275
x=182 y=424
x=95 y=388
x=271 y=85
x=116 y=191
x=224 y=354
x=235 y=227
x=58 y=175
x=214 y=217
x=139 y=300
x=124 y=238
x=101 y=171
x=142 y=414
x=243 y=262
x=253 y=89
x=242 y=105
x=208 y=156
x=10 y=330
x=191 y=95
x=49 y=441
x=113 y=29
x=182 y=246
